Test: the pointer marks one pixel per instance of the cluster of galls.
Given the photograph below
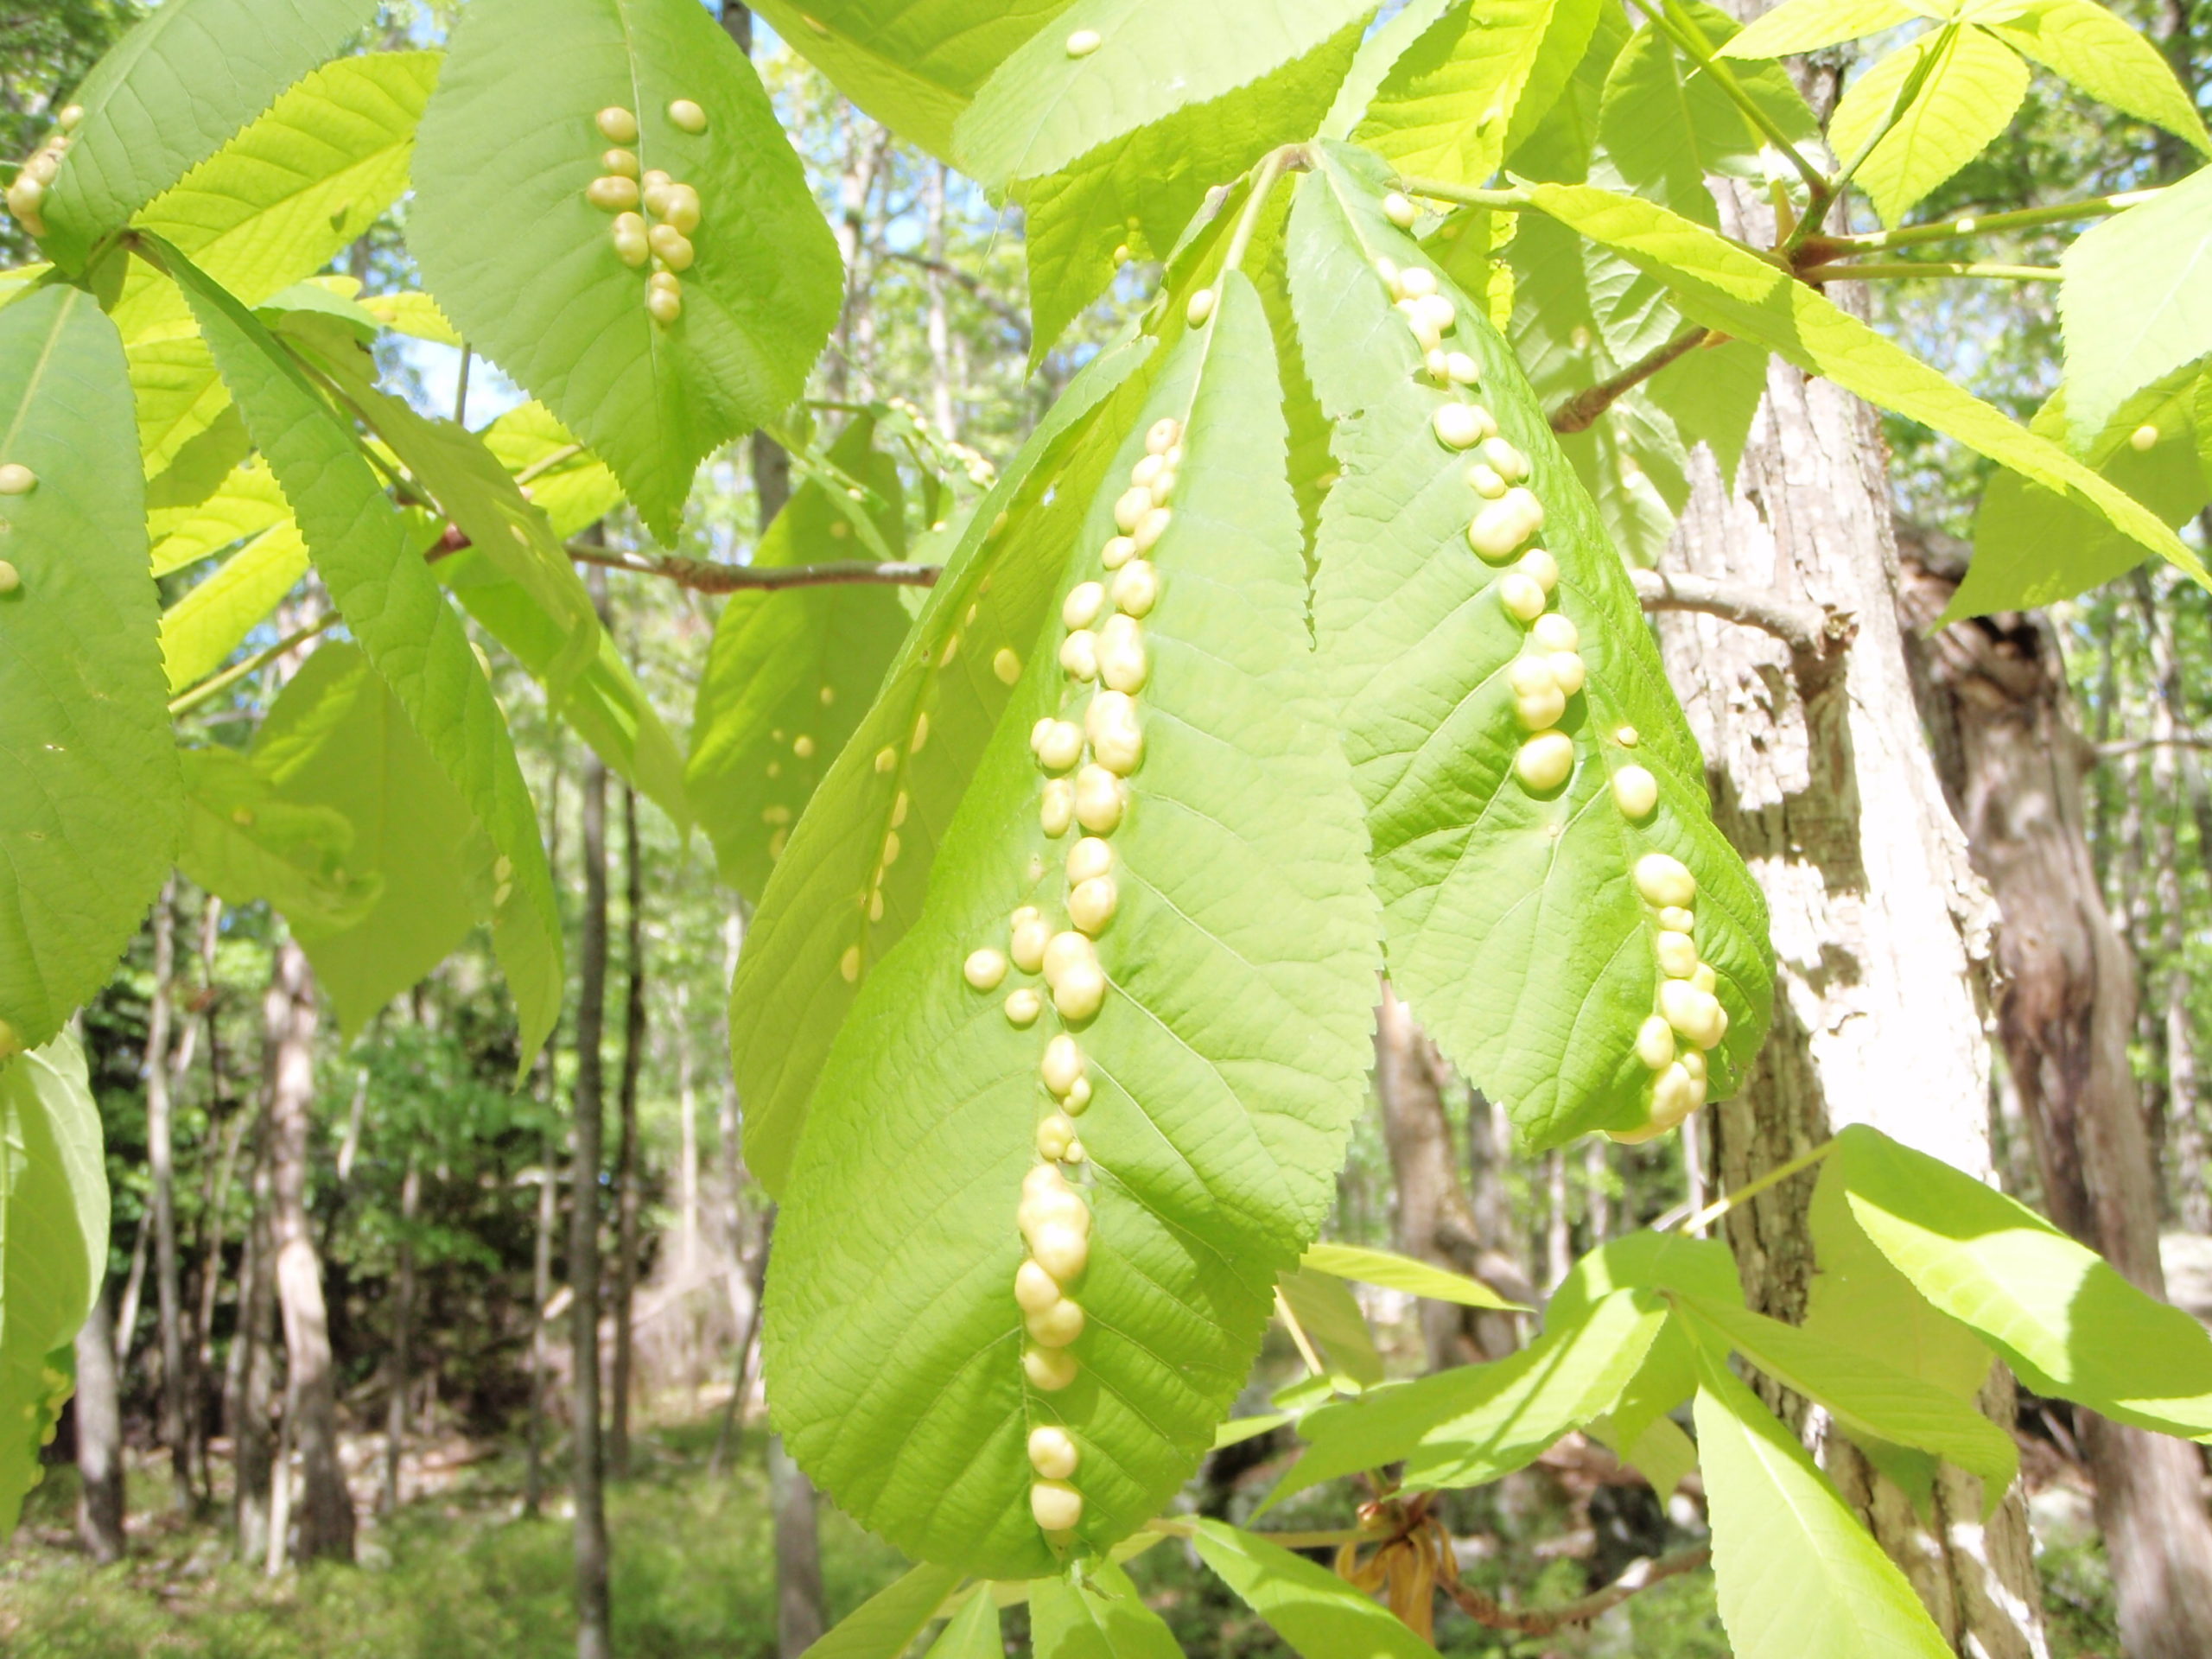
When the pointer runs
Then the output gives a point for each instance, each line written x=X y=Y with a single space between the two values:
x=1689 y=1022
x=16 y=478
x=660 y=237
x=1087 y=769
x=26 y=193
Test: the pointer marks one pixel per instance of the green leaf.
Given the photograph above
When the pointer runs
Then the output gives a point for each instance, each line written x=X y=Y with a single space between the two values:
x=1383 y=47
x=1444 y=110
x=1798 y=1577
x=1474 y=1423
x=913 y=65
x=526 y=267
x=2136 y=300
x=1315 y=1611
x=393 y=606
x=90 y=798
x=1558 y=142
x=2028 y=542
x=1647 y=1260
x=201 y=631
x=1403 y=1272
x=171 y=92
x=790 y=997
x=2062 y=1316
x=202 y=465
x=1224 y=1060
x=1140 y=190
x=884 y=1625
x=1045 y=106
x=1512 y=918
x=1798 y=26
x=1665 y=122
x=1974 y=83
x=1731 y=289
x=973 y=1632
x=245 y=841
x=572 y=486
x=1328 y=1312
x=1868 y=1397
x=2107 y=59
x=417 y=316
x=246 y=503
x=178 y=393
x=1102 y=1618
x=792 y=673
x=1712 y=395
x=1662 y=1454
x=1237 y=1430
x=54 y=1219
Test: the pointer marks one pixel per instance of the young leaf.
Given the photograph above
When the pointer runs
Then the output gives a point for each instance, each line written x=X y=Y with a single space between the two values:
x=1798 y=1577
x=1223 y=1060
x=90 y=797
x=527 y=269
x=171 y=92
x=1513 y=921
x=1470 y=1425
x=931 y=720
x=1559 y=142
x=2107 y=59
x=973 y=1632
x=1661 y=1452
x=1315 y=1611
x=201 y=631
x=1972 y=84
x=2136 y=300
x=1403 y=1272
x=1326 y=1310
x=393 y=605
x=913 y=65
x=791 y=674
x=1868 y=1397
x=1646 y=1260
x=1444 y=110
x=1102 y=1618
x=245 y=841
x=1731 y=289
x=1379 y=51
x=886 y=1624
x=178 y=394
x=1798 y=26
x=54 y=1218
x=1056 y=98
x=244 y=504
x=2028 y=541
x=572 y=486
x=2060 y=1315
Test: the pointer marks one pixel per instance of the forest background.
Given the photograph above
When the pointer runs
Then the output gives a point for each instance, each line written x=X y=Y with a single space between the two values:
x=434 y=1193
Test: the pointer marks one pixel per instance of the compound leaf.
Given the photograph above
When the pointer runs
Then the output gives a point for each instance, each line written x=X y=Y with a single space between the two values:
x=91 y=801
x=1309 y=1608
x=526 y=267
x=1973 y=84
x=1513 y=919
x=1447 y=103
x=1225 y=1061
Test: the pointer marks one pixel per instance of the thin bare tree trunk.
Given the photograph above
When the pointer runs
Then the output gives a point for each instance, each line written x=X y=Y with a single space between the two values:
x=100 y=1507
x=250 y=1382
x=802 y=1609
x=161 y=1175
x=1597 y=1175
x=402 y=1313
x=625 y=1144
x=687 y=1112
x=2000 y=709
x=1434 y=1220
x=1559 y=1224
x=310 y=1386
x=540 y=1292
x=939 y=320
x=1822 y=776
x=212 y=1213
x=134 y=1284
x=594 y=1636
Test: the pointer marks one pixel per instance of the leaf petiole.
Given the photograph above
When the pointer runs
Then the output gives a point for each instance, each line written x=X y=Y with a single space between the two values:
x=1704 y=1218
x=1679 y=27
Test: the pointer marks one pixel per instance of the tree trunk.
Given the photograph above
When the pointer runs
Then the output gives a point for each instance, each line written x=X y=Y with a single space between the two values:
x=310 y=1387
x=540 y=1292
x=687 y=1170
x=134 y=1284
x=594 y=1638
x=939 y=330
x=162 y=1177
x=1822 y=776
x=99 y=1439
x=1597 y=1177
x=2014 y=762
x=1434 y=1221
x=625 y=1144
x=250 y=1381
x=221 y=1108
x=402 y=1313
x=801 y=1609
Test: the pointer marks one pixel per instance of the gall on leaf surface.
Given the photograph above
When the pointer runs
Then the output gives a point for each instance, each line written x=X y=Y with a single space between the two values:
x=171 y=92
x=1226 y=1060
x=54 y=1220
x=791 y=675
x=394 y=607
x=920 y=742
x=90 y=800
x=526 y=267
x=1513 y=923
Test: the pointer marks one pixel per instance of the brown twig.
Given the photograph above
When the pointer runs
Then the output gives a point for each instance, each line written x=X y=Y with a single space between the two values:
x=1808 y=630
x=1543 y=1621
x=1580 y=411
x=710 y=577
x=991 y=302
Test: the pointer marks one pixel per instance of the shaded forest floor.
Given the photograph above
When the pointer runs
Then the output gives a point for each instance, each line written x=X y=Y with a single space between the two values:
x=460 y=1574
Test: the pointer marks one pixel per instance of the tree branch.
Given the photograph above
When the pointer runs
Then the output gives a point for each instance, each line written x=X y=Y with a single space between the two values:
x=1844 y=271
x=709 y=577
x=2019 y=219
x=1010 y=315
x=1578 y=412
x=1808 y=630
x=1543 y=1621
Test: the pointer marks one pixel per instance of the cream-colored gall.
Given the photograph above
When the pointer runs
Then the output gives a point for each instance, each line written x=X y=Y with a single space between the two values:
x=1544 y=761
x=1136 y=588
x=1005 y=666
x=1053 y=1451
x=1079 y=655
x=1091 y=905
x=1123 y=663
x=1461 y=369
x=1053 y=1134
x=1034 y=1290
x=1512 y=466
x=681 y=208
x=1053 y=1504
x=1117 y=552
x=1061 y=747
x=1529 y=675
x=1117 y=739
x=1569 y=669
x=1056 y=807
x=1022 y=1007
x=1556 y=632
x=1089 y=858
x=1676 y=954
x=1483 y=478
x=1522 y=599
x=1080 y=607
x=1501 y=527
x=1456 y=426
x=1635 y=792
x=1130 y=507
x=1079 y=994
x=984 y=969
x=1539 y=710
x=1063 y=1065
x=665 y=305
x=1663 y=879
x=1055 y=1326
x=1680 y=920
x=1416 y=282
x=2143 y=437
x=617 y=125
x=1654 y=1043
x=1399 y=210
x=688 y=115
x=1049 y=1369
x=1084 y=42
x=1098 y=802
x=16 y=478
x=1162 y=436
x=1061 y=1248
x=10 y=578
x=1030 y=934
x=671 y=247
x=1200 y=307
